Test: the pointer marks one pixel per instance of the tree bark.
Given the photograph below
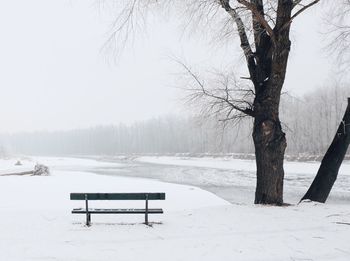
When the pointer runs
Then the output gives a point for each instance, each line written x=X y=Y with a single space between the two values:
x=331 y=162
x=270 y=144
x=269 y=139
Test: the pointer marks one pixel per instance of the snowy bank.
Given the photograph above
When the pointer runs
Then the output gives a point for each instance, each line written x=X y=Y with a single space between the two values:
x=36 y=224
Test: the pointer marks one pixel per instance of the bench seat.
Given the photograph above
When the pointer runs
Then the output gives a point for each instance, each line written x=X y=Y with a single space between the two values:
x=117 y=211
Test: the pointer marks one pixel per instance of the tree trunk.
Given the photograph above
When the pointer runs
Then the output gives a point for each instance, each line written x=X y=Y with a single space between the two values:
x=270 y=144
x=328 y=171
x=272 y=52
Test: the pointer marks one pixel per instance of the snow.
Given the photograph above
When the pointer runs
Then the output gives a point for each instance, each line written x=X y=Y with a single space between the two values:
x=8 y=166
x=36 y=223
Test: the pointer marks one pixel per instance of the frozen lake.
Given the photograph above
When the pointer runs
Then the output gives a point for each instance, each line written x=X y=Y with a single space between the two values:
x=231 y=179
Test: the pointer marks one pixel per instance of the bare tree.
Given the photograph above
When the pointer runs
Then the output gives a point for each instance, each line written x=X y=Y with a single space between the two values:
x=263 y=29
x=331 y=162
x=321 y=186
x=338 y=31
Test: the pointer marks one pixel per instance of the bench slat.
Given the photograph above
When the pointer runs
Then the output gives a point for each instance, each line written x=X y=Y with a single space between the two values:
x=117 y=211
x=118 y=196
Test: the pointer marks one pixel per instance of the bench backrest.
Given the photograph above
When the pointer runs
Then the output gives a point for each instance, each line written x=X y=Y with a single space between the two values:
x=118 y=196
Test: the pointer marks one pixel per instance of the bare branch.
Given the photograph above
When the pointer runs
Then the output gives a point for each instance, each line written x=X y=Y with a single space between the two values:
x=245 y=45
x=296 y=2
x=304 y=8
x=337 y=34
x=221 y=100
x=260 y=18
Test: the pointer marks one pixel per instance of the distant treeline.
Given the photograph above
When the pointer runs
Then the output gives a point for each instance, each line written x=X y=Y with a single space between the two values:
x=310 y=123
x=168 y=134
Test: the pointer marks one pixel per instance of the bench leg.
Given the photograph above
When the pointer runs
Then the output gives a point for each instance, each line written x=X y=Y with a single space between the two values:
x=146 y=212
x=88 y=215
x=88 y=219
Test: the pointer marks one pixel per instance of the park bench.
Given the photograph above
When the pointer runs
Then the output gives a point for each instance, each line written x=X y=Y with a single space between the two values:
x=116 y=196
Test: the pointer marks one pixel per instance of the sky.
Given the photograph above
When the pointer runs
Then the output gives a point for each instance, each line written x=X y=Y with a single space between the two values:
x=54 y=75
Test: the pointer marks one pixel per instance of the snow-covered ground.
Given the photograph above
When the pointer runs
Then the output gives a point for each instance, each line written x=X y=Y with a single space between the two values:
x=7 y=166
x=36 y=223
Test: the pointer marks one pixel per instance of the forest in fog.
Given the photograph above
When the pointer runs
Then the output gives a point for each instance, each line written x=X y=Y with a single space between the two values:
x=310 y=123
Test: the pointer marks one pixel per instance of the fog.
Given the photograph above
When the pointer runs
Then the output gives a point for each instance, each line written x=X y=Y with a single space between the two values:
x=60 y=83
x=310 y=123
x=55 y=76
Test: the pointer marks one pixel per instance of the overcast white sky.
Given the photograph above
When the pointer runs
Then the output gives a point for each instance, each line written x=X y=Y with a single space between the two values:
x=53 y=75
